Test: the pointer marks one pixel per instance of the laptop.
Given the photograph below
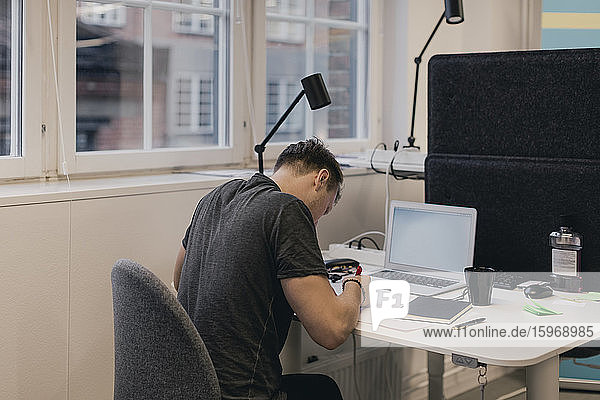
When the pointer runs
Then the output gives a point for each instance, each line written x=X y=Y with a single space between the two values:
x=429 y=246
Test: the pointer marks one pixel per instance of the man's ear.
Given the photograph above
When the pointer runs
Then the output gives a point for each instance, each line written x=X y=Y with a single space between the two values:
x=321 y=178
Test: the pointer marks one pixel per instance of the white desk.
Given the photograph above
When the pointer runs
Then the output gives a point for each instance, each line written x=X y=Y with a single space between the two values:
x=541 y=363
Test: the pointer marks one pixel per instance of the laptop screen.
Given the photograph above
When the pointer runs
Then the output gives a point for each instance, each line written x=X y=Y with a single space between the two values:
x=440 y=239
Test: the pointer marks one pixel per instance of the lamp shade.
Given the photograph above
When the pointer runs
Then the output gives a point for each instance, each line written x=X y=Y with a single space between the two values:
x=454 y=11
x=316 y=92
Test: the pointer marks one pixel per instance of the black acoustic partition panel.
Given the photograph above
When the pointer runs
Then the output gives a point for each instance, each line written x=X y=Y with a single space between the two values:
x=527 y=103
x=518 y=202
x=517 y=136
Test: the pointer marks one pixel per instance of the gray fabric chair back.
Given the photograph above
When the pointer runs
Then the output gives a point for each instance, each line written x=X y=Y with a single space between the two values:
x=158 y=351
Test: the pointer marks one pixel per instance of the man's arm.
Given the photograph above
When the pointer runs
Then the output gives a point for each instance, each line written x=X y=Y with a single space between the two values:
x=178 y=267
x=328 y=318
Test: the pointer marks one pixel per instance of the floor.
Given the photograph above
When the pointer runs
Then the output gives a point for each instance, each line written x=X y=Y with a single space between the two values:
x=512 y=383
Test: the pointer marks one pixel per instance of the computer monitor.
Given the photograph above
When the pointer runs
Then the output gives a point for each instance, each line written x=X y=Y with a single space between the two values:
x=430 y=236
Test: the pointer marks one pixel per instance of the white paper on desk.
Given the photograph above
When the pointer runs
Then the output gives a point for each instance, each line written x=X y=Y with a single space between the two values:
x=568 y=303
x=404 y=325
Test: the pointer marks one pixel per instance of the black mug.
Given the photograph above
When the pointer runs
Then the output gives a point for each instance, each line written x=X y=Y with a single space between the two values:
x=480 y=281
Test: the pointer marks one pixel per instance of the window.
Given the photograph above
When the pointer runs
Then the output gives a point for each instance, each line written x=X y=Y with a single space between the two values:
x=569 y=24
x=197 y=24
x=105 y=86
x=280 y=95
x=282 y=31
x=194 y=105
x=160 y=81
x=327 y=36
x=10 y=74
x=112 y=15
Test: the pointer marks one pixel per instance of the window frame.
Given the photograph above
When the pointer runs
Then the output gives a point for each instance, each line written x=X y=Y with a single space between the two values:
x=196 y=80
x=43 y=133
x=26 y=114
x=283 y=91
x=119 y=21
x=195 y=27
x=372 y=107
x=147 y=158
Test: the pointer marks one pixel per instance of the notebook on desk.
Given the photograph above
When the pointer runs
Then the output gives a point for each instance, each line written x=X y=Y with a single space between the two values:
x=429 y=246
x=432 y=309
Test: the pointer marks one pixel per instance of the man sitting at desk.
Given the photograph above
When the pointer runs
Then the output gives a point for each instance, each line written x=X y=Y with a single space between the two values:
x=250 y=259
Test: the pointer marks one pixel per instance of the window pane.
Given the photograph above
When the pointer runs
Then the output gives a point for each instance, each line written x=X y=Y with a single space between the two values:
x=201 y=3
x=109 y=77
x=332 y=51
x=336 y=9
x=286 y=7
x=185 y=79
x=10 y=139
x=336 y=58
x=286 y=65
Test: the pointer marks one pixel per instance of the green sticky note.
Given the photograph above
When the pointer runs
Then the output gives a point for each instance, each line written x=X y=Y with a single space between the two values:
x=591 y=296
x=537 y=309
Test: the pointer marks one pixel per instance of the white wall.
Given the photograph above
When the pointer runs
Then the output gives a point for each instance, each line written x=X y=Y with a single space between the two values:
x=56 y=307
x=489 y=25
x=34 y=301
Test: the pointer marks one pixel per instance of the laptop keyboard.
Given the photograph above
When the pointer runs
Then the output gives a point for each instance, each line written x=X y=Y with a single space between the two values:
x=415 y=279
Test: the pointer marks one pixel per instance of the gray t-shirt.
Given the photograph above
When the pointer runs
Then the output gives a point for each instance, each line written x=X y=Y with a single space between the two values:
x=244 y=237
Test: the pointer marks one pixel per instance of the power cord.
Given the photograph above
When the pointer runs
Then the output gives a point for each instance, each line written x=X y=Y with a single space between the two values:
x=387 y=361
x=363 y=234
x=400 y=177
x=352 y=241
x=370 y=239
x=354 y=366
x=595 y=366
x=373 y=153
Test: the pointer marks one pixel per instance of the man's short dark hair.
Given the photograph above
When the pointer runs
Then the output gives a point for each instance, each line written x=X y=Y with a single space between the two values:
x=311 y=155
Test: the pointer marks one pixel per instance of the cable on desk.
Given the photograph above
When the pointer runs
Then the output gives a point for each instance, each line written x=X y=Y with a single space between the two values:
x=364 y=234
x=373 y=153
x=370 y=239
x=352 y=241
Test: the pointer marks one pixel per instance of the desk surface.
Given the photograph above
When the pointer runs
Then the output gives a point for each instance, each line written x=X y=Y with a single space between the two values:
x=506 y=311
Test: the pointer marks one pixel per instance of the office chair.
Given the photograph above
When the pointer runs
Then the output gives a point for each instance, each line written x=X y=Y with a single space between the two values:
x=158 y=351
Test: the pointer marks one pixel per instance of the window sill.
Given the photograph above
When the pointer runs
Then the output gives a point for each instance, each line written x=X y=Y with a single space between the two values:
x=12 y=194
x=81 y=189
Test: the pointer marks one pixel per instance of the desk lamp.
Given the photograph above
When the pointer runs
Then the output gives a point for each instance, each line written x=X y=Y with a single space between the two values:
x=453 y=13
x=317 y=96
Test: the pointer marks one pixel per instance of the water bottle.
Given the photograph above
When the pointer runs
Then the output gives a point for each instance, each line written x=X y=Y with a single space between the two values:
x=566 y=255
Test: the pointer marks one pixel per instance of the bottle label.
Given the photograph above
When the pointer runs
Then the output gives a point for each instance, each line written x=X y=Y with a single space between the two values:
x=564 y=262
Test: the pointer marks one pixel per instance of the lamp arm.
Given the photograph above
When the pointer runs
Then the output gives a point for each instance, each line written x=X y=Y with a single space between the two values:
x=260 y=148
x=432 y=34
x=411 y=138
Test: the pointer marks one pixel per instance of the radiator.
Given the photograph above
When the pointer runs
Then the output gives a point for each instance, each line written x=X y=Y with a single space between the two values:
x=378 y=373
x=380 y=377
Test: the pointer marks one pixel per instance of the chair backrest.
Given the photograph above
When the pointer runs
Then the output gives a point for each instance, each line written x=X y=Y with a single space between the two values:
x=158 y=351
